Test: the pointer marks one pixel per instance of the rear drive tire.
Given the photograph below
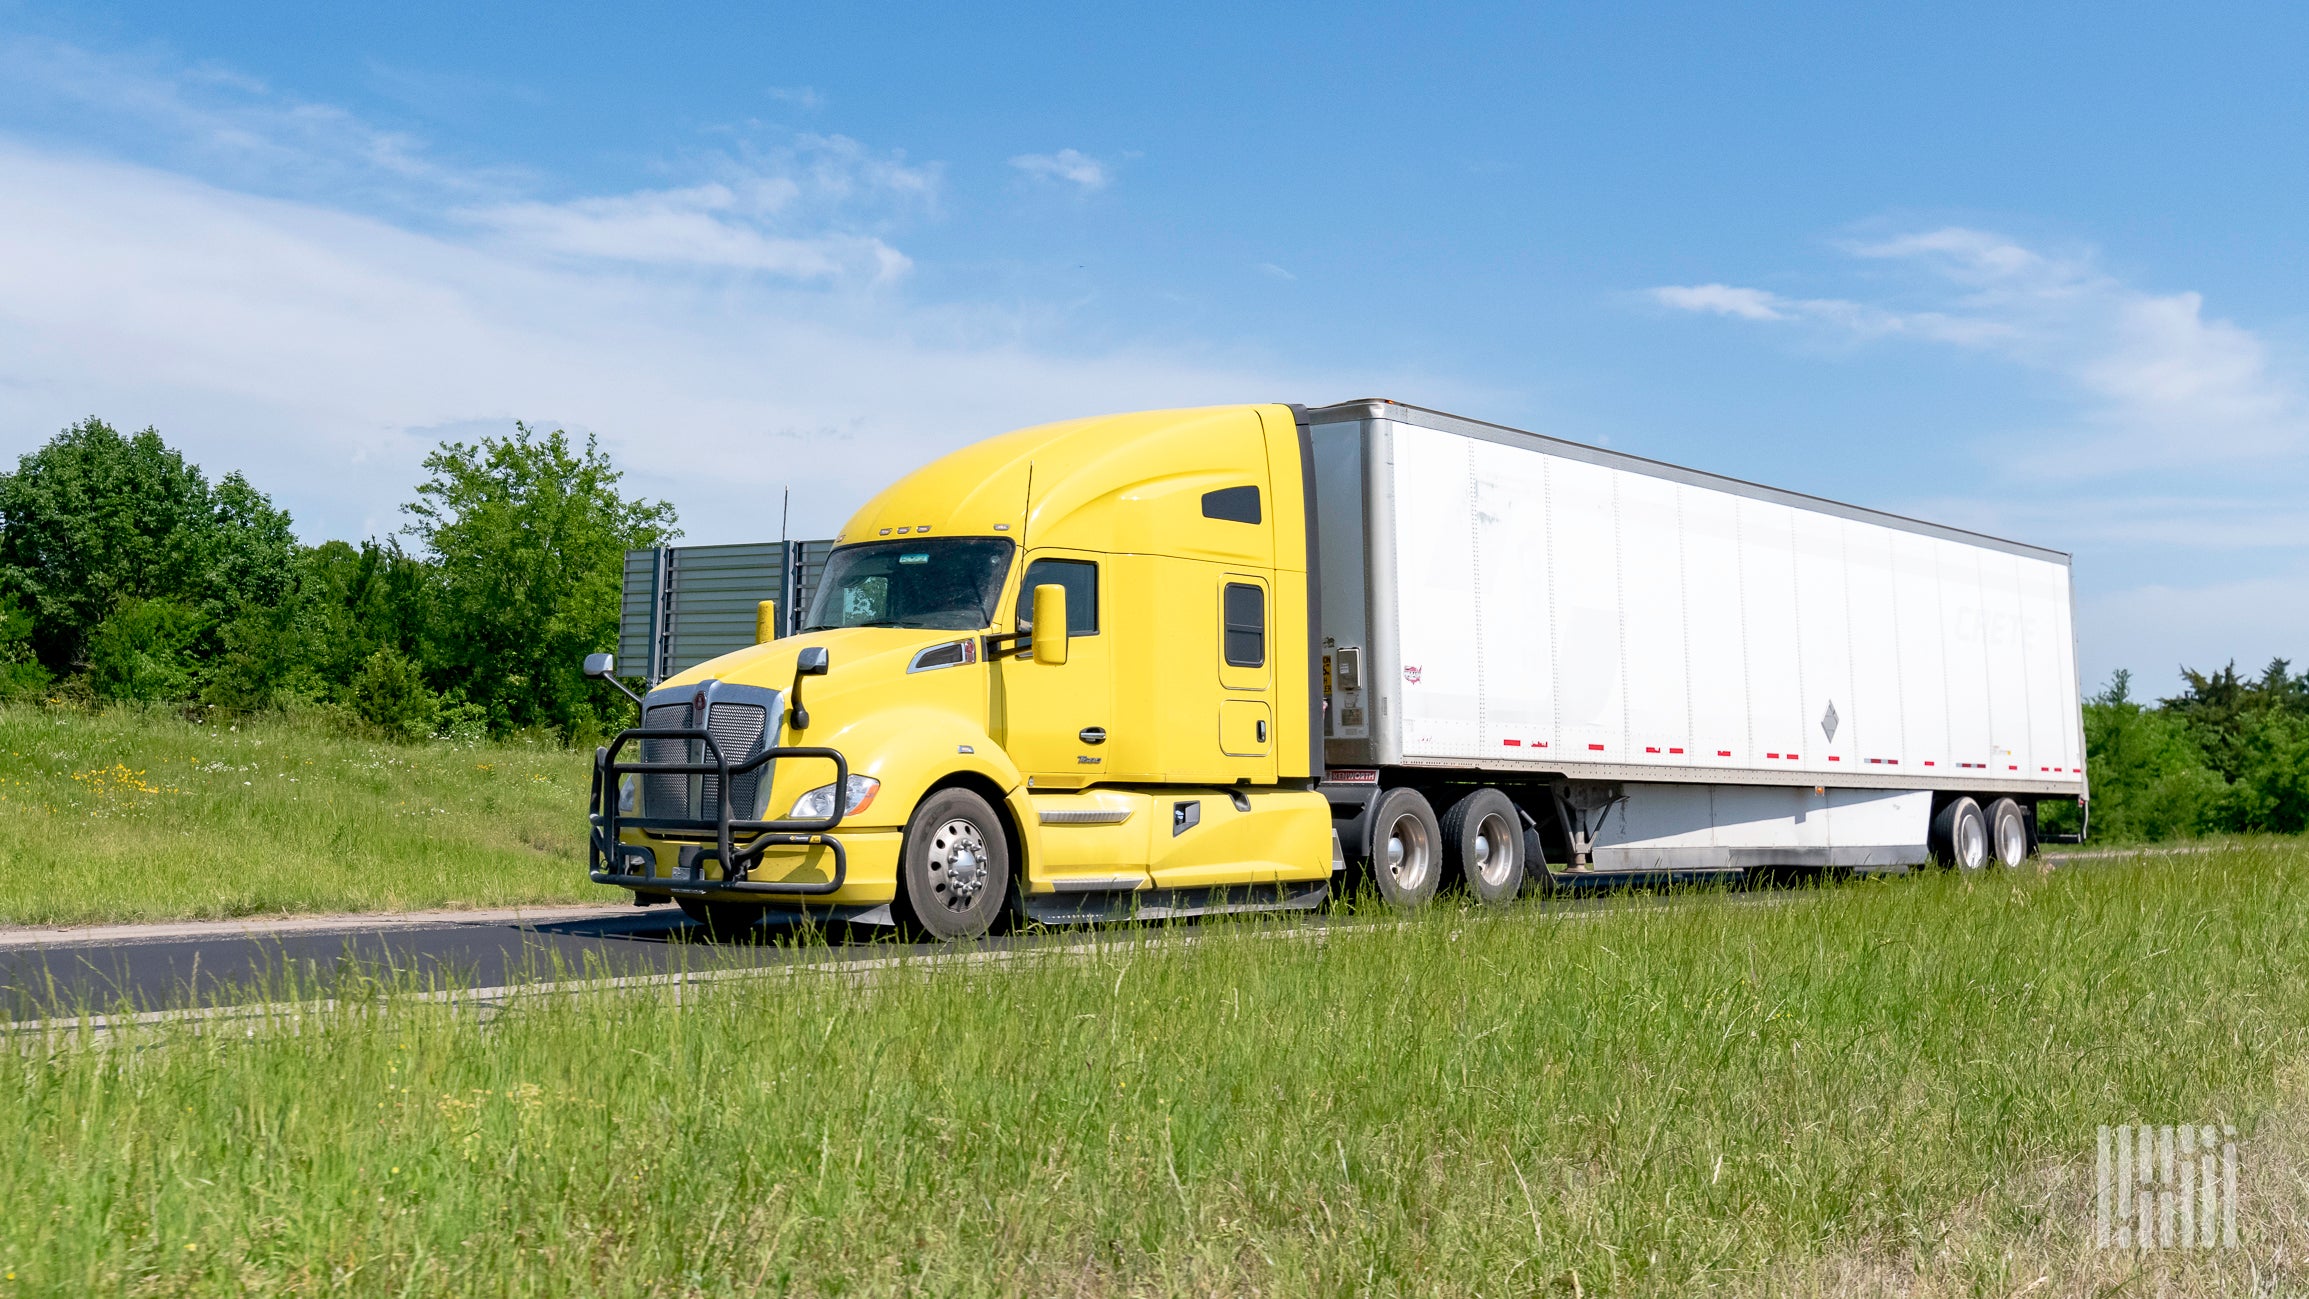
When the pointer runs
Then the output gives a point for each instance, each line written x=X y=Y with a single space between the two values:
x=723 y=921
x=1960 y=835
x=954 y=870
x=1406 y=849
x=2007 y=834
x=1483 y=842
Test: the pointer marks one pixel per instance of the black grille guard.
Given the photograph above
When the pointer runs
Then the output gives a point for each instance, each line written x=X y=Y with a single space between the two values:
x=606 y=856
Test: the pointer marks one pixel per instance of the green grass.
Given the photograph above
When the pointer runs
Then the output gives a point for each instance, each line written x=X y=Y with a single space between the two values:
x=1882 y=1085
x=134 y=815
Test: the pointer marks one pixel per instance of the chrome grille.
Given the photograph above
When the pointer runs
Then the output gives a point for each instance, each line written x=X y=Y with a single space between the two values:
x=737 y=728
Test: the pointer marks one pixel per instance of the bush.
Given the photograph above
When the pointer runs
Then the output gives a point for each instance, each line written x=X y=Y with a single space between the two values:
x=145 y=652
x=390 y=695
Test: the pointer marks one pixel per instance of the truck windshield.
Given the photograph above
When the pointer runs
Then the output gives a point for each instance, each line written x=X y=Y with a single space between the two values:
x=950 y=584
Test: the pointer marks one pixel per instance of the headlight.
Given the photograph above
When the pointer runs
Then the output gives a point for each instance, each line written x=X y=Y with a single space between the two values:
x=818 y=804
x=628 y=794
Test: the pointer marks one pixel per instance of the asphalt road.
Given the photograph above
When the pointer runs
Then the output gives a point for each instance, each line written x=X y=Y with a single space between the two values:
x=117 y=970
x=165 y=967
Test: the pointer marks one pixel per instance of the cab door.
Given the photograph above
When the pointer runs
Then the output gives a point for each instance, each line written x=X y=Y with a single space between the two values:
x=1246 y=673
x=1053 y=718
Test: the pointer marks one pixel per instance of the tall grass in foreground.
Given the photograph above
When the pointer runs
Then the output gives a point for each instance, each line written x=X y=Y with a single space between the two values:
x=1881 y=1085
x=130 y=814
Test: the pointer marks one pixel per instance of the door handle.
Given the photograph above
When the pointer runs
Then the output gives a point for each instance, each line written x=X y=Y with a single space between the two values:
x=1262 y=731
x=1097 y=734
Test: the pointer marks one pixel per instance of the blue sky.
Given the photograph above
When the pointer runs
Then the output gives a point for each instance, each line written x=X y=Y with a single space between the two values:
x=2030 y=269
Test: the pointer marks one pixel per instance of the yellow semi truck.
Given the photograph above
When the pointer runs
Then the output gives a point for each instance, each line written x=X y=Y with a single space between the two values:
x=1172 y=662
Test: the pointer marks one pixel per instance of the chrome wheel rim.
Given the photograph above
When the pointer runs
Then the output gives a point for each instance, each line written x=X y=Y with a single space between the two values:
x=1971 y=843
x=2011 y=841
x=1409 y=853
x=958 y=864
x=1494 y=850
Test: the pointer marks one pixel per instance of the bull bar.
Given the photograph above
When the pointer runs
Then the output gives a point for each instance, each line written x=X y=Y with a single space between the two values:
x=606 y=863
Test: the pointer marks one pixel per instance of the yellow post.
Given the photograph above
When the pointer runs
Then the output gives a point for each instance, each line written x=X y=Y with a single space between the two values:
x=765 y=622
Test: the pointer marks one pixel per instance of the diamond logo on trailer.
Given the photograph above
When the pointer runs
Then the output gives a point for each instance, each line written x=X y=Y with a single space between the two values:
x=1828 y=722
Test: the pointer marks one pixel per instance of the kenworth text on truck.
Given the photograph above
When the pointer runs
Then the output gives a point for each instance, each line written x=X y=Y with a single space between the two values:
x=1180 y=661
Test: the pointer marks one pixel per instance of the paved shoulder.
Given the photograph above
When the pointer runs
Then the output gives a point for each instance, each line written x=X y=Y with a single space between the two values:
x=52 y=936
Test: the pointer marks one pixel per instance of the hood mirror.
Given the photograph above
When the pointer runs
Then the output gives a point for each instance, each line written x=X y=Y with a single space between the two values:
x=603 y=667
x=811 y=662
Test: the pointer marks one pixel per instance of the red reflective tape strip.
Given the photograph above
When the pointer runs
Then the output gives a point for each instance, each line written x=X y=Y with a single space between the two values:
x=1834 y=758
x=1795 y=757
x=1928 y=762
x=1675 y=750
x=1596 y=747
x=1771 y=755
x=1513 y=744
x=1651 y=748
x=1723 y=753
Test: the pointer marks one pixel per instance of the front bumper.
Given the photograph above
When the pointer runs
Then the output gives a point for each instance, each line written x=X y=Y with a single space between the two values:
x=720 y=850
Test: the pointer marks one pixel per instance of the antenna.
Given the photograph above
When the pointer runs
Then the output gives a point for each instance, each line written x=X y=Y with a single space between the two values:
x=1027 y=515
x=784 y=506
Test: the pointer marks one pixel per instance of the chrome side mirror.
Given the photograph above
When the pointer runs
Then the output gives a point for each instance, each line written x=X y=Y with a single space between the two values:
x=603 y=667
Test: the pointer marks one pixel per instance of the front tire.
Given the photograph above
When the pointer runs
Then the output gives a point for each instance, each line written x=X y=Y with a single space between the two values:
x=1406 y=849
x=1960 y=835
x=1484 y=838
x=954 y=871
x=2007 y=834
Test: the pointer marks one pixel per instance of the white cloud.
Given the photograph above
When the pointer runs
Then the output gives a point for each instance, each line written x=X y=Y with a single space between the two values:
x=803 y=97
x=323 y=352
x=1068 y=165
x=2155 y=379
x=1721 y=300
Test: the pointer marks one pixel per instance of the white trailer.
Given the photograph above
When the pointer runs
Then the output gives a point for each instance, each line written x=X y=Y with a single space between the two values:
x=1666 y=670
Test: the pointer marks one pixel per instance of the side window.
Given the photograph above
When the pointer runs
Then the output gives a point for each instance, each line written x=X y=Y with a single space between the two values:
x=1079 y=577
x=1234 y=504
x=1246 y=626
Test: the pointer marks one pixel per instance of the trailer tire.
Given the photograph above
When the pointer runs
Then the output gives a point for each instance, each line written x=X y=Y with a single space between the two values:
x=1406 y=848
x=2007 y=834
x=723 y=921
x=954 y=869
x=1483 y=842
x=1960 y=835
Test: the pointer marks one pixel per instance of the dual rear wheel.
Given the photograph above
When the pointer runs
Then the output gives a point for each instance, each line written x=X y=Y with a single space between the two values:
x=1480 y=840
x=1972 y=838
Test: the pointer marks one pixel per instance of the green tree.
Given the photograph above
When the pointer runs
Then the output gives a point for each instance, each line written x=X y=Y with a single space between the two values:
x=94 y=519
x=2149 y=777
x=528 y=536
x=2271 y=791
x=359 y=600
x=20 y=671
x=2222 y=709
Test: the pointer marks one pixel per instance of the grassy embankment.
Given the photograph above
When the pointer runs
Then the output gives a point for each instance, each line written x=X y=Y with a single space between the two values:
x=1884 y=1086
x=132 y=815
